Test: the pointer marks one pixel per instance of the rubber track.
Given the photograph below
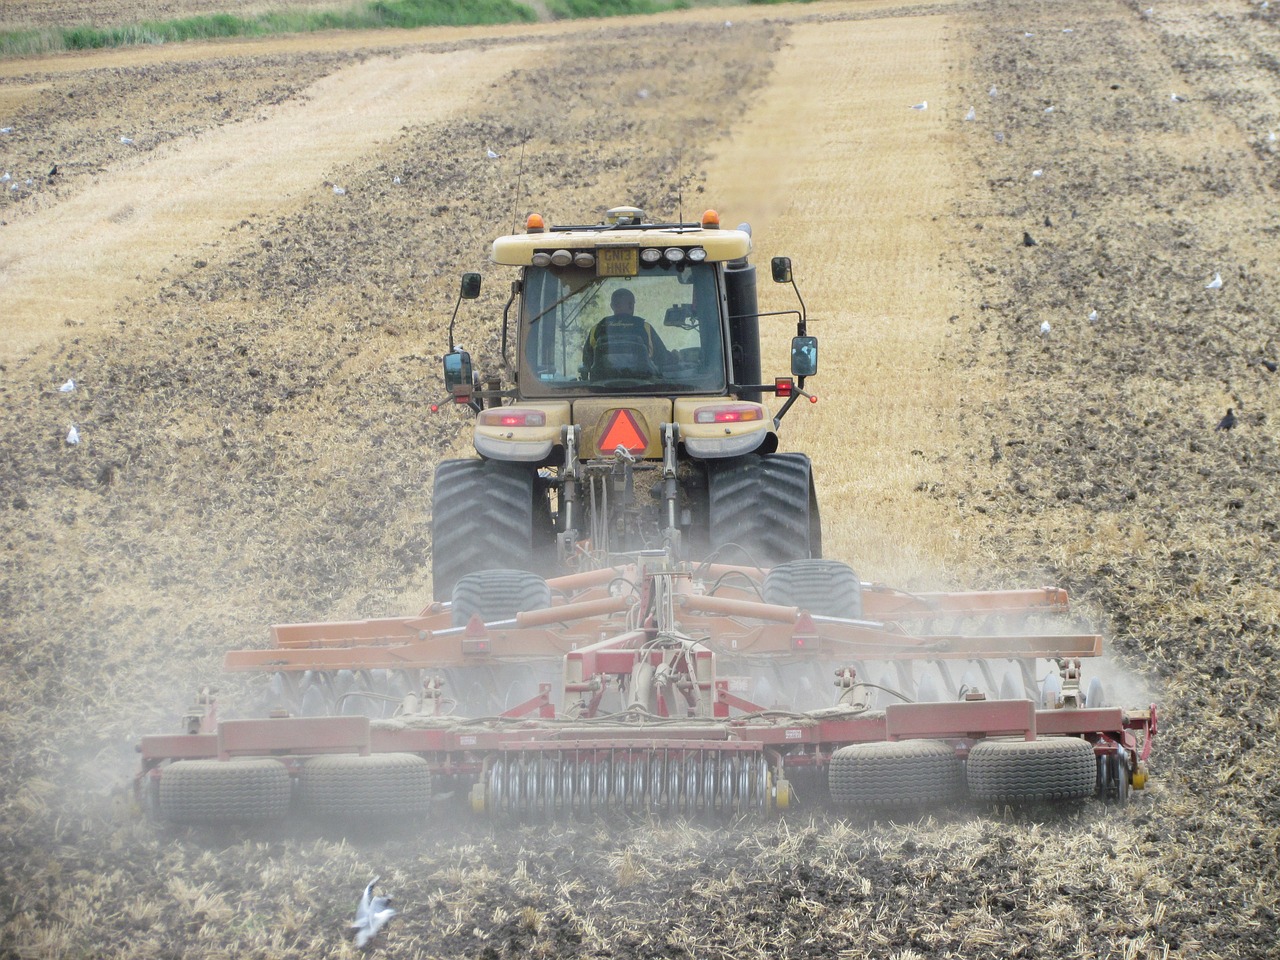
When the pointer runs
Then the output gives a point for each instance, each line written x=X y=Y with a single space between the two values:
x=366 y=788
x=1020 y=771
x=482 y=518
x=895 y=774
x=498 y=595
x=762 y=504
x=224 y=791
x=825 y=588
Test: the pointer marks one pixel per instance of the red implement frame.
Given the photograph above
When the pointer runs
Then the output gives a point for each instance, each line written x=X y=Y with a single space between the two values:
x=608 y=624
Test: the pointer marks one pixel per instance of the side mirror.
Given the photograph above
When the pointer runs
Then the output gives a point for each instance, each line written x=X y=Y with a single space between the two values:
x=470 y=286
x=458 y=378
x=781 y=269
x=804 y=356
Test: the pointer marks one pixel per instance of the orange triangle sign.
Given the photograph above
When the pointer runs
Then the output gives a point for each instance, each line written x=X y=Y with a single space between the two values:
x=623 y=431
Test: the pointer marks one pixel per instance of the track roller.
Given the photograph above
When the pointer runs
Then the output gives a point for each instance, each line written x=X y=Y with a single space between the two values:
x=895 y=774
x=369 y=788
x=1020 y=771
x=224 y=791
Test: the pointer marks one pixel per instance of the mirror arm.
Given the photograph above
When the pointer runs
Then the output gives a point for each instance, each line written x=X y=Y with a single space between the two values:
x=452 y=319
x=506 y=363
x=777 y=419
x=802 y=323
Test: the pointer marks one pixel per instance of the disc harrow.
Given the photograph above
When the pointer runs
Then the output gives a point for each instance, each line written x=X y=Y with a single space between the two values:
x=660 y=688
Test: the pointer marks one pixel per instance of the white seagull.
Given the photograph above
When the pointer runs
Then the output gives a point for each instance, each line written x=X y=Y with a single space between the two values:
x=1093 y=316
x=971 y=115
x=73 y=436
x=1215 y=283
x=68 y=386
x=922 y=105
x=1045 y=328
x=491 y=155
x=371 y=914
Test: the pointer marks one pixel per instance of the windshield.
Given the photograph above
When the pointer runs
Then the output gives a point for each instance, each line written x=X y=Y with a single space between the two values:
x=657 y=332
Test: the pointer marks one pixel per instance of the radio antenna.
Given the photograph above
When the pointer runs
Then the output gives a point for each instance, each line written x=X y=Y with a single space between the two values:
x=515 y=207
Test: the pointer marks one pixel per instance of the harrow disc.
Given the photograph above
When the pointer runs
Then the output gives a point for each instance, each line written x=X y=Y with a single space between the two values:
x=1020 y=771
x=537 y=784
x=895 y=774
x=368 y=788
x=224 y=791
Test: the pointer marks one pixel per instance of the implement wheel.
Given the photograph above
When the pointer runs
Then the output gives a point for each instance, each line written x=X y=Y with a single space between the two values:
x=483 y=517
x=348 y=786
x=224 y=791
x=825 y=588
x=498 y=595
x=1020 y=771
x=766 y=505
x=895 y=774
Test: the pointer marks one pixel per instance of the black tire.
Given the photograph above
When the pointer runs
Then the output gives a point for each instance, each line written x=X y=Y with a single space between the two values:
x=370 y=789
x=766 y=505
x=483 y=517
x=497 y=595
x=890 y=773
x=825 y=588
x=224 y=791
x=1021 y=771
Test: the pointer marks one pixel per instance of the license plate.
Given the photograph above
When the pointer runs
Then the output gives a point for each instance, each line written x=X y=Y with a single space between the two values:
x=617 y=261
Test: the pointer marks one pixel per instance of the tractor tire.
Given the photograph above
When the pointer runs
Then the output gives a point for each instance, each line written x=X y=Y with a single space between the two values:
x=497 y=595
x=224 y=791
x=766 y=505
x=373 y=788
x=483 y=517
x=824 y=588
x=891 y=773
x=1035 y=771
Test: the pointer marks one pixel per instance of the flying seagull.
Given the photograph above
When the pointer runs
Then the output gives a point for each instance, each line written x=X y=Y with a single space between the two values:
x=371 y=914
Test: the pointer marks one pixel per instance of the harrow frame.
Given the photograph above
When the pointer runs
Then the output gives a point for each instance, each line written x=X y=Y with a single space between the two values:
x=683 y=737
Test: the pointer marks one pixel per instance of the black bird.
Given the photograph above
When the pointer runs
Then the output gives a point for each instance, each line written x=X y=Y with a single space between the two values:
x=1047 y=221
x=1027 y=240
x=1269 y=364
x=53 y=171
x=1226 y=423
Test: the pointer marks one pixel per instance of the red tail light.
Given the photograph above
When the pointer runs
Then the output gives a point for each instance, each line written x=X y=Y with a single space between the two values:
x=510 y=417
x=729 y=413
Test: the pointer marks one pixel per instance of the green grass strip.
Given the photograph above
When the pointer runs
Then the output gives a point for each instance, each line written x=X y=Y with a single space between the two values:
x=579 y=9
x=368 y=16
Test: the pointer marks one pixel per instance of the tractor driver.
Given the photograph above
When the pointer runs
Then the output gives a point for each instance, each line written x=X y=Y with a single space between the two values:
x=623 y=343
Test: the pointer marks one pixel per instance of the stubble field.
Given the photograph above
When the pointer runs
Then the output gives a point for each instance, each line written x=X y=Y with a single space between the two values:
x=254 y=355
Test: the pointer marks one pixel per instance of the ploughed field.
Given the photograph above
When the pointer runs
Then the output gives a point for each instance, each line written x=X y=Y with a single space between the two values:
x=253 y=374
